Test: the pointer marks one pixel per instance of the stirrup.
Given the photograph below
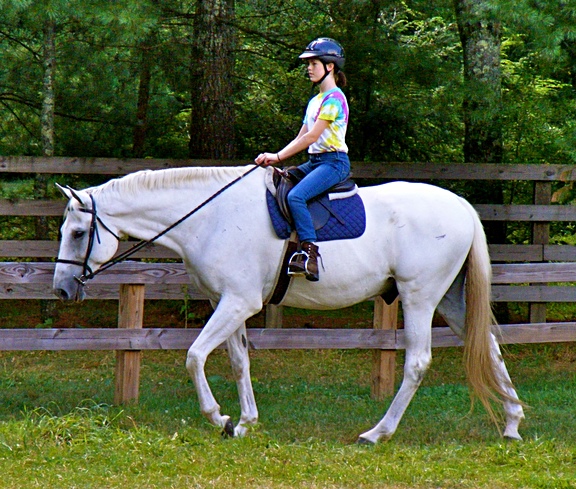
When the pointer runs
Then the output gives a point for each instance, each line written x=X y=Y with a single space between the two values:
x=297 y=263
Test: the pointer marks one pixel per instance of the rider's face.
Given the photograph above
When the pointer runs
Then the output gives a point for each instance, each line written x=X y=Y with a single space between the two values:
x=316 y=69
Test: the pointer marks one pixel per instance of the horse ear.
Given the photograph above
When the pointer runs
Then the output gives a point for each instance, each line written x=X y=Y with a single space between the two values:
x=74 y=194
x=69 y=192
x=64 y=191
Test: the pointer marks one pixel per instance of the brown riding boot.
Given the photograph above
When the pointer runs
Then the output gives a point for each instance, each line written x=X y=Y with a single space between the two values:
x=305 y=262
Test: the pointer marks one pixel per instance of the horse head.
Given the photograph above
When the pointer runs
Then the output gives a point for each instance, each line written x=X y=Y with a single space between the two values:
x=86 y=244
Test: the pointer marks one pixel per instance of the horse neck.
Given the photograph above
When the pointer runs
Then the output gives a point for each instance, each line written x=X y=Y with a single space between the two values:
x=149 y=211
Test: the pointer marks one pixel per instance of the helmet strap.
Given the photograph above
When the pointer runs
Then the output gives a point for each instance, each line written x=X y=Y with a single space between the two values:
x=319 y=82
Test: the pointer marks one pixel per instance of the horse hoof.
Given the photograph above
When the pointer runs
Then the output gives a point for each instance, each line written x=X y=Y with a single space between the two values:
x=364 y=441
x=228 y=431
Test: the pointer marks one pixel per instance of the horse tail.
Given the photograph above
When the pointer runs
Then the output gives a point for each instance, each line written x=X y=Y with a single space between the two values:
x=479 y=357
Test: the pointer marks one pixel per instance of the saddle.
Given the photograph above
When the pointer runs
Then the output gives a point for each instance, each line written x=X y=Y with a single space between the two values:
x=337 y=213
x=320 y=207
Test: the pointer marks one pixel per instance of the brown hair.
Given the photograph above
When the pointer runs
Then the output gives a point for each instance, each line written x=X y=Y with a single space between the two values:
x=340 y=78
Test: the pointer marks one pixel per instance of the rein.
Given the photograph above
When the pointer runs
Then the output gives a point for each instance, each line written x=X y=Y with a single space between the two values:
x=87 y=272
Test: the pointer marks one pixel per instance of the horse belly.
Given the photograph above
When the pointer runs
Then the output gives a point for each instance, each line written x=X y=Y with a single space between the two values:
x=351 y=271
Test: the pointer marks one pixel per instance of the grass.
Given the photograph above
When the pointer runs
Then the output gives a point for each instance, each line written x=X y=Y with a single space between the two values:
x=58 y=428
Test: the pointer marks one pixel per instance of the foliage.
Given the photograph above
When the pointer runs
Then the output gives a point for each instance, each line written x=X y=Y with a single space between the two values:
x=403 y=65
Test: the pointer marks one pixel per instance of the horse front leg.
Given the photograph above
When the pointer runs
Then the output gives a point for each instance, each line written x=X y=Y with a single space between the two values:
x=228 y=317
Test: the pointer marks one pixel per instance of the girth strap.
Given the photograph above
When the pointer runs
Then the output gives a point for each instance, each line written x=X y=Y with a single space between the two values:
x=283 y=278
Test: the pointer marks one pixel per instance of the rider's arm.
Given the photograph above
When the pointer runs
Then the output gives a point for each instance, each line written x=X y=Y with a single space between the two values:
x=304 y=139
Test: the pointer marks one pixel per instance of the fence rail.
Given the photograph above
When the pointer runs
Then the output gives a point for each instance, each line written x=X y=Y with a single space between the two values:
x=161 y=281
x=59 y=339
x=33 y=280
x=524 y=277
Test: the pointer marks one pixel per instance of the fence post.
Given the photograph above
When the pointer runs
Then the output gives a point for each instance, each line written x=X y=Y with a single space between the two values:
x=384 y=364
x=541 y=236
x=274 y=315
x=130 y=315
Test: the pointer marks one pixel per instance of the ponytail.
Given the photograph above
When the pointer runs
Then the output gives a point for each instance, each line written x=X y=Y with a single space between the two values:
x=340 y=78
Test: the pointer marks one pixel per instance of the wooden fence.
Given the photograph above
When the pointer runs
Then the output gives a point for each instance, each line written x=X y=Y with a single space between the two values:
x=533 y=265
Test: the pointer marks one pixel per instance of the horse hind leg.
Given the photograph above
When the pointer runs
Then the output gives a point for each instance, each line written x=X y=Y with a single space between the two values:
x=240 y=362
x=512 y=406
x=417 y=326
x=452 y=308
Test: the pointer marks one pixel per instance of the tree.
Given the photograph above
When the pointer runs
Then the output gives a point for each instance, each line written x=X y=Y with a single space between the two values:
x=145 y=50
x=212 y=63
x=480 y=35
x=98 y=68
x=47 y=308
x=46 y=117
x=170 y=78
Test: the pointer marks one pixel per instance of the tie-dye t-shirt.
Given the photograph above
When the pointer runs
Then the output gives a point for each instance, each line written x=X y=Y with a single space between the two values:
x=330 y=106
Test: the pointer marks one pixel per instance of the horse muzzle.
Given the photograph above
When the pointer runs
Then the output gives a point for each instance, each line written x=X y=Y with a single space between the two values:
x=69 y=290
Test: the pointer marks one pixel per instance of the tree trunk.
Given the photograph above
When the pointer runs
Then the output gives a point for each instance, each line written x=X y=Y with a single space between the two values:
x=211 y=68
x=139 y=136
x=48 y=103
x=47 y=118
x=482 y=107
x=47 y=308
x=480 y=37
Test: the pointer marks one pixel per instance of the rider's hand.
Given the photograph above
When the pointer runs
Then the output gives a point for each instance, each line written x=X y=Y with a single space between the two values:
x=266 y=159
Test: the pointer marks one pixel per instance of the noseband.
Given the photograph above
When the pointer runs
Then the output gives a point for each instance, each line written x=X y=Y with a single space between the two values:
x=93 y=234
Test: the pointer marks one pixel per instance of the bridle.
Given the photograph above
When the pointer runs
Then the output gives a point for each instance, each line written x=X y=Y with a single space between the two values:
x=93 y=234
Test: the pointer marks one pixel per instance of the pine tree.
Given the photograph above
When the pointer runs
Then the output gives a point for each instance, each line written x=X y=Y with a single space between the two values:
x=212 y=62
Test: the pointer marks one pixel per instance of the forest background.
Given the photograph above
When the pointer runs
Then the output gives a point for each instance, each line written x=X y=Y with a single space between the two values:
x=444 y=81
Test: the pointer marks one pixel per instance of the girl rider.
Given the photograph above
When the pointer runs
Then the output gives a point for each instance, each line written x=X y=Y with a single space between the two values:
x=323 y=133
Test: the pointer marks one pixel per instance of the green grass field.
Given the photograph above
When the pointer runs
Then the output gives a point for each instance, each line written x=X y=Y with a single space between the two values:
x=58 y=428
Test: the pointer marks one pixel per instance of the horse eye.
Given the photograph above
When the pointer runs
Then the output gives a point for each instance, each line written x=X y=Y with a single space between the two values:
x=78 y=234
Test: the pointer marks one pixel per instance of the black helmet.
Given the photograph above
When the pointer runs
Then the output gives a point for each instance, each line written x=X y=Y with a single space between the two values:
x=326 y=50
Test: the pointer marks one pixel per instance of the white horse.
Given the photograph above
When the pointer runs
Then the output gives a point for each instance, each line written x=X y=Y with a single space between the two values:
x=430 y=241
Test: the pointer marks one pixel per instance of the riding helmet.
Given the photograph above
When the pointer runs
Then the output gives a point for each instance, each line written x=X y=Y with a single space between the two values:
x=326 y=50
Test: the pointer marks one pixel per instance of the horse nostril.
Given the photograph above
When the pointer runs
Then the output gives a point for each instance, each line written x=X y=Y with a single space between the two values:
x=62 y=294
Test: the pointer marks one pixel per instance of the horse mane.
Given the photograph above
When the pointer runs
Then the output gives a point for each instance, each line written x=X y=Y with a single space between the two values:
x=170 y=178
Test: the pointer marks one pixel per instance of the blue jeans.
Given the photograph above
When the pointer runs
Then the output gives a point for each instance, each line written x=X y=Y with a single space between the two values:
x=323 y=171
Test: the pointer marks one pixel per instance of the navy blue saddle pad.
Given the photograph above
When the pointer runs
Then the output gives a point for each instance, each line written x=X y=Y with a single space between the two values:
x=350 y=211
